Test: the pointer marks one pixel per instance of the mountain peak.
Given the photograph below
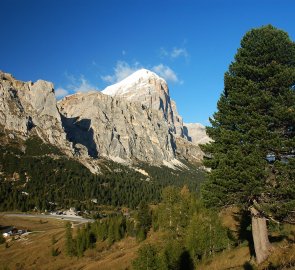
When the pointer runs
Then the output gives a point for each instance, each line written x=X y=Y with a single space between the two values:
x=140 y=78
x=143 y=73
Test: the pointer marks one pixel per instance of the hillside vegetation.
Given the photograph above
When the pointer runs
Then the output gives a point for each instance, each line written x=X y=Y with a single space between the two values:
x=35 y=250
x=35 y=175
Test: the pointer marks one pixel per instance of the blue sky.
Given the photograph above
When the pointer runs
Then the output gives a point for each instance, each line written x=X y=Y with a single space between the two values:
x=83 y=44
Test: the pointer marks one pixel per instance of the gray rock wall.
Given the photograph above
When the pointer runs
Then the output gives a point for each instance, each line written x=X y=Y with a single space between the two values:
x=25 y=106
x=117 y=127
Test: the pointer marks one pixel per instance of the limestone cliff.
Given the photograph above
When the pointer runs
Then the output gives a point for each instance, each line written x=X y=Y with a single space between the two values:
x=147 y=88
x=116 y=128
x=134 y=120
x=196 y=133
x=31 y=107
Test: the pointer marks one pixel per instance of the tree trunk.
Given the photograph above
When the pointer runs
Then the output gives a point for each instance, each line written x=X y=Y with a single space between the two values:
x=260 y=236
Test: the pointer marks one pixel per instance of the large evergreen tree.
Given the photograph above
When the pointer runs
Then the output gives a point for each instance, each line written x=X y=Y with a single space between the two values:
x=252 y=153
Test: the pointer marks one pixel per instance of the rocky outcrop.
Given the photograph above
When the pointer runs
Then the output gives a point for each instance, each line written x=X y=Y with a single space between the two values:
x=147 y=88
x=150 y=90
x=187 y=150
x=117 y=128
x=27 y=107
x=177 y=121
x=196 y=133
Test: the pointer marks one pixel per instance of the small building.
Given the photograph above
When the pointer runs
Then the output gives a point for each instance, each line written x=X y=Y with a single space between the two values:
x=12 y=231
x=7 y=231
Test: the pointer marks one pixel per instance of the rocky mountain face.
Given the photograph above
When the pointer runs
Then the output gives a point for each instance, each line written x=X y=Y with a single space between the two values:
x=27 y=107
x=116 y=128
x=133 y=120
x=147 y=88
x=196 y=133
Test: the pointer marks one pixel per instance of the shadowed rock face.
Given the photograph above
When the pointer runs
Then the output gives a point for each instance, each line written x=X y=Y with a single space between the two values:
x=80 y=132
x=186 y=133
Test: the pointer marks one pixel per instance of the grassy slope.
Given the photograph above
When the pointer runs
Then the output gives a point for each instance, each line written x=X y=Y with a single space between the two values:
x=35 y=251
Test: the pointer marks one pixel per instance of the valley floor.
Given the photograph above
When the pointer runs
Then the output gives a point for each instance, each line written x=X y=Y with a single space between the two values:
x=34 y=251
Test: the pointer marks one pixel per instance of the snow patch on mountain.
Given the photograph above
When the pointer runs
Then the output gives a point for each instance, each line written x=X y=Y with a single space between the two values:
x=140 y=79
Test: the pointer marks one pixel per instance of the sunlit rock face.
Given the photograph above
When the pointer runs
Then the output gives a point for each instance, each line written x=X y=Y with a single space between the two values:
x=115 y=127
x=31 y=107
x=196 y=133
x=133 y=120
x=147 y=88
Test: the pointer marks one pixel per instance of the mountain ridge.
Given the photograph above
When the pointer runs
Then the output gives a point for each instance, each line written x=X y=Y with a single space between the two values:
x=144 y=127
